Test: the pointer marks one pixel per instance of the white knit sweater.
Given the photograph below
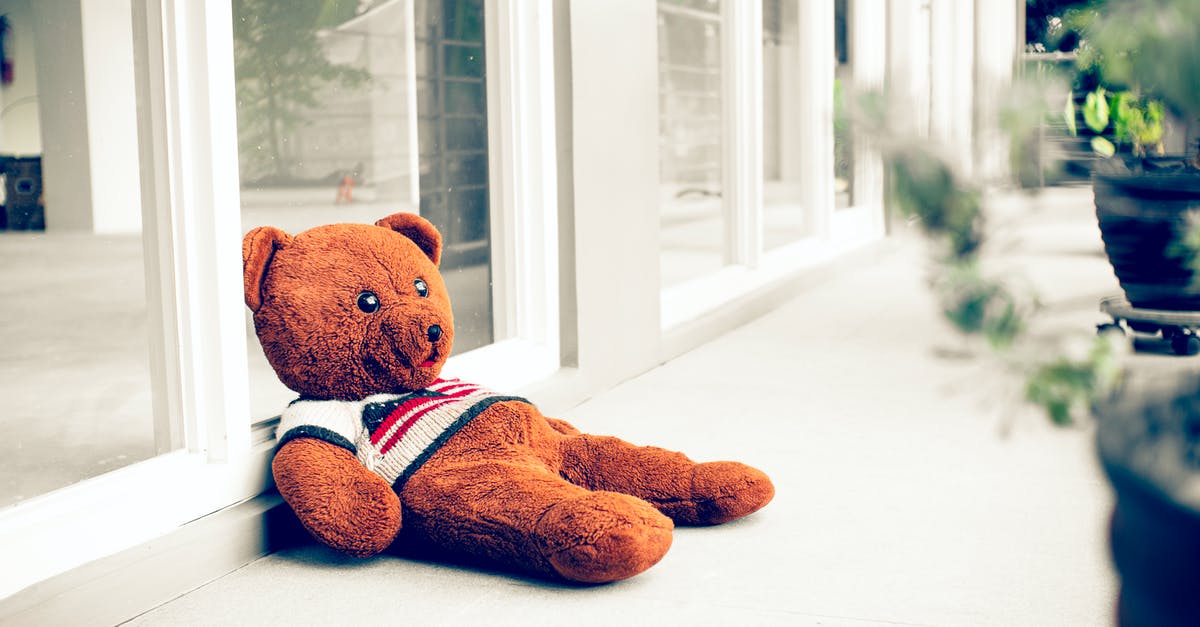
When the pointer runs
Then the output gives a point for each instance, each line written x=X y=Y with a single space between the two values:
x=391 y=434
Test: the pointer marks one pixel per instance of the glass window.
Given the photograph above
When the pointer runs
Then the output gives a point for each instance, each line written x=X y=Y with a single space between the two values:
x=75 y=362
x=352 y=110
x=843 y=144
x=690 y=146
x=783 y=213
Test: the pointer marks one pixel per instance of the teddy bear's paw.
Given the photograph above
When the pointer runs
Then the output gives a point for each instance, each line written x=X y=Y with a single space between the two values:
x=602 y=537
x=725 y=491
x=360 y=519
x=338 y=500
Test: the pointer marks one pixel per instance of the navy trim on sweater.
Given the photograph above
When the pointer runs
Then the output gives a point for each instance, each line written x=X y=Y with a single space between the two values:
x=454 y=428
x=320 y=433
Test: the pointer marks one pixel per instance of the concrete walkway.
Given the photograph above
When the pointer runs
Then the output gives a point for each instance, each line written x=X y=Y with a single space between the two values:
x=913 y=486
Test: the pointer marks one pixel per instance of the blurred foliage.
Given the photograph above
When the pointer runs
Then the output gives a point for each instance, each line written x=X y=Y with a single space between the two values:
x=1137 y=59
x=1053 y=24
x=927 y=189
x=843 y=147
x=1135 y=121
x=1095 y=110
x=924 y=187
x=1066 y=387
x=948 y=210
x=975 y=304
x=1150 y=46
x=1138 y=121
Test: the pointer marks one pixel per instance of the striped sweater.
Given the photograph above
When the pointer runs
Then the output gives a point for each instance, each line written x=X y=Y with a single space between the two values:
x=391 y=434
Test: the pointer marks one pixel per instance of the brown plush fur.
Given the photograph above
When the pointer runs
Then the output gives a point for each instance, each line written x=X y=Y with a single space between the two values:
x=512 y=487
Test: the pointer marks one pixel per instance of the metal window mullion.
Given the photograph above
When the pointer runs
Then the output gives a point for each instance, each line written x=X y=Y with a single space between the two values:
x=742 y=134
x=410 y=83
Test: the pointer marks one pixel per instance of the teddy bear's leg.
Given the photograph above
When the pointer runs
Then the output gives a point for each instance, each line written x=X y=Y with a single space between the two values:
x=690 y=493
x=521 y=513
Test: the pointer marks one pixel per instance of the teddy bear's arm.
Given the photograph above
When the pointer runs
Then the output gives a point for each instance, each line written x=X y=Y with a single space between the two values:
x=690 y=493
x=336 y=498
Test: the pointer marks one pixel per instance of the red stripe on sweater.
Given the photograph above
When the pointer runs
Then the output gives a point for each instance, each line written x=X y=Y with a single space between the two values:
x=397 y=413
x=467 y=387
x=400 y=412
x=392 y=441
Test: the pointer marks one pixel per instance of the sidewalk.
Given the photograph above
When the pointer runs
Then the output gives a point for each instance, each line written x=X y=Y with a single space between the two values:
x=913 y=487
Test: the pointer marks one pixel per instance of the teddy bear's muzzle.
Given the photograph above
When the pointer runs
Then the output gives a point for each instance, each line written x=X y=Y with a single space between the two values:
x=408 y=346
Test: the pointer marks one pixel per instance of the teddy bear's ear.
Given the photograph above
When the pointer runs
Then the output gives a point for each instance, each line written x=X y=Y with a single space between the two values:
x=258 y=247
x=417 y=229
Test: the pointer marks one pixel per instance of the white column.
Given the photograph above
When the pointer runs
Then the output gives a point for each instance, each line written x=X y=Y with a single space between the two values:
x=868 y=56
x=88 y=115
x=816 y=65
x=941 y=69
x=962 y=112
x=995 y=51
x=742 y=104
x=614 y=81
x=111 y=116
x=908 y=66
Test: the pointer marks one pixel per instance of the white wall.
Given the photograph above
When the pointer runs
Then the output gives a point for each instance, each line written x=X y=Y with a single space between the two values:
x=19 y=121
x=112 y=116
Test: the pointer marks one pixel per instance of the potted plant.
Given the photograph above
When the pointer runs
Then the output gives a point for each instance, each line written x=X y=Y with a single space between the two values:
x=1147 y=205
x=1144 y=198
x=1147 y=56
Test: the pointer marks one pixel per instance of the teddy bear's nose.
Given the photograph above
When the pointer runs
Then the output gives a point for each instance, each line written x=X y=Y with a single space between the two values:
x=435 y=333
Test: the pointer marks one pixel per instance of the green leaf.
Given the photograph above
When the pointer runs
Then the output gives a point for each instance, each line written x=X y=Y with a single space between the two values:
x=1095 y=110
x=1069 y=115
x=1123 y=113
x=1103 y=147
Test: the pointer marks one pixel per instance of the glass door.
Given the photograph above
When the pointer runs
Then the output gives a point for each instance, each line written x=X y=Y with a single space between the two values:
x=76 y=360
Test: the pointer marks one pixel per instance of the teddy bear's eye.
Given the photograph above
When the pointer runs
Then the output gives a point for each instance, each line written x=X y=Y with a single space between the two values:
x=422 y=288
x=368 y=302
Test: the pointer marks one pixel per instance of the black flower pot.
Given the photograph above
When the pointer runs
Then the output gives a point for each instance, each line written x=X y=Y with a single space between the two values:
x=1144 y=208
x=1149 y=444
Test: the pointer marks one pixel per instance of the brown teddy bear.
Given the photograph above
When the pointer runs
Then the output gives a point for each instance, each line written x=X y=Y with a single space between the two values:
x=378 y=450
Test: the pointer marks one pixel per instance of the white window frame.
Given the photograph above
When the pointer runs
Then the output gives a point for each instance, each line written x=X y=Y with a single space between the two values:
x=212 y=454
x=519 y=48
x=833 y=232
x=190 y=200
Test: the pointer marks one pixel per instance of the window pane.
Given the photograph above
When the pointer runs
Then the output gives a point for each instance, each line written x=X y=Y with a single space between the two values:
x=690 y=128
x=352 y=110
x=75 y=362
x=843 y=145
x=783 y=215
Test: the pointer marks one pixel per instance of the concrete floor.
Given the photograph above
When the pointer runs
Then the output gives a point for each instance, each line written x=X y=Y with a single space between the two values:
x=913 y=485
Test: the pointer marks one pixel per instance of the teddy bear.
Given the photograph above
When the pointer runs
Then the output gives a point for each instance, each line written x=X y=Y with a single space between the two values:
x=379 y=451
